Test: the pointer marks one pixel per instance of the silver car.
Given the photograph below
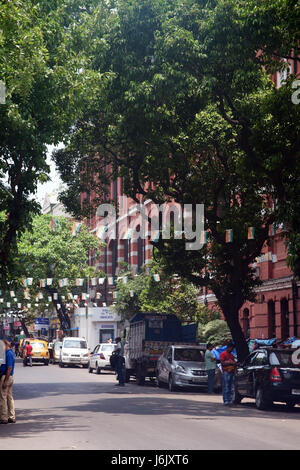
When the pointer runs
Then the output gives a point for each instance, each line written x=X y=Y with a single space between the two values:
x=182 y=366
x=100 y=357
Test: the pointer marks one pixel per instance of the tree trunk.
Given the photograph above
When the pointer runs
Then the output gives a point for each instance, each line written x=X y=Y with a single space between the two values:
x=232 y=319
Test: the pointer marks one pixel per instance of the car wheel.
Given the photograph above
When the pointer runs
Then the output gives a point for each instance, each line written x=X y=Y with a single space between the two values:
x=237 y=398
x=140 y=377
x=290 y=404
x=261 y=400
x=127 y=375
x=172 y=386
x=98 y=369
x=46 y=363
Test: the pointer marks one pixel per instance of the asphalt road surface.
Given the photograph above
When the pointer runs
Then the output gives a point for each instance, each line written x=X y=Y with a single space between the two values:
x=70 y=409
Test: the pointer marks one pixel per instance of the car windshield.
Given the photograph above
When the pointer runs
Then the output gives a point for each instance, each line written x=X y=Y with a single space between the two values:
x=75 y=344
x=195 y=355
x=107 y=347
x=283 y=359
x=36 y=346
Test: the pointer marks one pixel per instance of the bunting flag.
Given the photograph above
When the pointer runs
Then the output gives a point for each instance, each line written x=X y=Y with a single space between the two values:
x=115 y=295
x=19 y=305
x=8 y=304
x=55 y=296
x=28 y=281
x=79 y=282
x=1 y=301
x=229 y=235
x=42 y=282
x=53 y=225
x=12 y=293
x=125 y=279
x=40 y=296
x=156 y=277
x=101 y=280
x=94 y=281
x=148 y=270
x=127 y=234
x=49 y=299
x=98 y=295
x=70 y=296
x=26 y=295
x=100 y=231
x=110 y=281
x=155 y=236
x=203 y=237
x=75 y=229
x=251 y=232
x=49 y=281
x=131 y=293
x=272 y=230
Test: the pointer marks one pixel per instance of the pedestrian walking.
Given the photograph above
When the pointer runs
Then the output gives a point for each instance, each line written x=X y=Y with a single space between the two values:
x=7 y=413
x=28 y=353
x=210 y=366
x=119 y=351
x=228 y=364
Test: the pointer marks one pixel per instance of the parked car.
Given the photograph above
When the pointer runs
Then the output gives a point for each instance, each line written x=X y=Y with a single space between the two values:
x=269 y=375
x=40 y=351
x=100 y=357
x=74 y=351
x=183 y=366
x=56 y=351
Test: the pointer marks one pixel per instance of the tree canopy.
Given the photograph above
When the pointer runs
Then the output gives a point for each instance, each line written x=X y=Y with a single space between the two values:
x=41 y=69
x=191 y=114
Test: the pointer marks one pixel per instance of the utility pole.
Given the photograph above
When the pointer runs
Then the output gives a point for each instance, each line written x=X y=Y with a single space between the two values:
x=87 y=308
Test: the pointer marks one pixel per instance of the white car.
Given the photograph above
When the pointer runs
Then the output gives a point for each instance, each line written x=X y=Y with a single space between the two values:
x=100 y=357
x=74 y=351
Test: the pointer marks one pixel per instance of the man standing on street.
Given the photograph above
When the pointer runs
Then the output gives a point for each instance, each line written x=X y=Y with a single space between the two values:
x=210 y=366
x=119 y=362
x=228 y=364
x=7 y=405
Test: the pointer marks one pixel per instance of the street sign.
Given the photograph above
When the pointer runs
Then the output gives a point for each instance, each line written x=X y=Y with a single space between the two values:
x=41 y=323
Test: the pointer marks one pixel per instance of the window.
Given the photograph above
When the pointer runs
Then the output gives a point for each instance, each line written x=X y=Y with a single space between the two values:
x=260 y=359
x=73 y=344
x=195 y=355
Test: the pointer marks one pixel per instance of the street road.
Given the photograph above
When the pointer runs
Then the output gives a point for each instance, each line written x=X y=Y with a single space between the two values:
x=70 y=409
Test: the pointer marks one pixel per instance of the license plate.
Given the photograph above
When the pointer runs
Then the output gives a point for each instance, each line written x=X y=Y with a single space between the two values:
x=197 y=380
x=295 y=391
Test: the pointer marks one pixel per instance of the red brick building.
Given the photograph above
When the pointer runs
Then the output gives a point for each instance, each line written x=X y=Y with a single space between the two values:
x=277 y=310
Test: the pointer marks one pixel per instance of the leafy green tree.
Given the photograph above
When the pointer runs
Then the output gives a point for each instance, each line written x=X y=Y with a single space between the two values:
x=216 y=332
x=190 y=114
x=46 y=84
x=44 y=253
x=141 y=293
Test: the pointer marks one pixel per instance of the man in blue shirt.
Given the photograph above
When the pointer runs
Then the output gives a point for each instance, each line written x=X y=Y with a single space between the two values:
x=7 y=405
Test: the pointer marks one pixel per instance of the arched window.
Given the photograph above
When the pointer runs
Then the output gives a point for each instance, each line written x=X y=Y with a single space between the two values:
x=271 y=319
x=285 y=321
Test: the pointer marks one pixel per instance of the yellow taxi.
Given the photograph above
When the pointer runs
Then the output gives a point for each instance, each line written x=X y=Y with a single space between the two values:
x=40 y=352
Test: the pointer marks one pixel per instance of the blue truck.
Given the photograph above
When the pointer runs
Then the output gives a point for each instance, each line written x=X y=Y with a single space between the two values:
x=148 y=336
